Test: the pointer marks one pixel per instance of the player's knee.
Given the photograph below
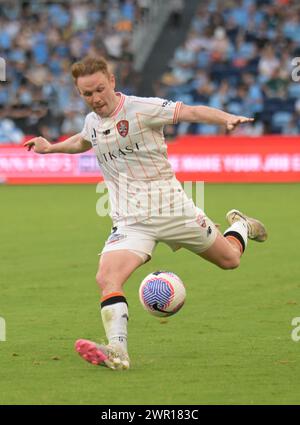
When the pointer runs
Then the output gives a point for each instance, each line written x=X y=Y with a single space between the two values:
x=102 y=279
x=229 y=263
x=108 y=280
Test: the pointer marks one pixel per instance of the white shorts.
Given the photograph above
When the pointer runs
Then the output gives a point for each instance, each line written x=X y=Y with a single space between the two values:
x=193 y=231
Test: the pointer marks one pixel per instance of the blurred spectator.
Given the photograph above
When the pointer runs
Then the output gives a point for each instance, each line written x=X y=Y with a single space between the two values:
x=73 y=122
x=238 y=56
x=9 y=132
x=170 y=132
x=40 y=41
x=176 y=13
x=220 y=45
x=291 y=128
x=268 y=63
x=144 y=7
x=276 y=85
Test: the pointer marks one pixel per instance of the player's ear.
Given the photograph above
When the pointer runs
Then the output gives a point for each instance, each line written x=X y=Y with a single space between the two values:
x=112 y=80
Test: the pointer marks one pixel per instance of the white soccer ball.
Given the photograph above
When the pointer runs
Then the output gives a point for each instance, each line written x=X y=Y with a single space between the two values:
x=162 y=293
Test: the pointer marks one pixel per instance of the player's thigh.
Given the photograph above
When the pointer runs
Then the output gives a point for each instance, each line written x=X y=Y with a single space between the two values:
x=221 y=253
x=127 y=248
x=116 y=266
x=193 y=231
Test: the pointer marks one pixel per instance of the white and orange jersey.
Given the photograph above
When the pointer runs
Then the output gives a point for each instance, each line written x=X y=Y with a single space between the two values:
x=132 y=154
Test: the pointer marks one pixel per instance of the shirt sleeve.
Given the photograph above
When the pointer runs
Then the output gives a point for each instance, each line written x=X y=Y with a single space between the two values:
x=85 y=133
x=157 y=112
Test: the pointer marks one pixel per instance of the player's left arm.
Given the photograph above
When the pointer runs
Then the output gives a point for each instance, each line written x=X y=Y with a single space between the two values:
x=208 y=115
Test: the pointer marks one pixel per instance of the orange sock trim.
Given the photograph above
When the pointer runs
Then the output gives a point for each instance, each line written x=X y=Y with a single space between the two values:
x=236 y=240
x=112 y=294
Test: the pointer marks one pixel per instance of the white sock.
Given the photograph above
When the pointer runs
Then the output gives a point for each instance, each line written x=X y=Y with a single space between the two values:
x=239 y=230
x=114 y=313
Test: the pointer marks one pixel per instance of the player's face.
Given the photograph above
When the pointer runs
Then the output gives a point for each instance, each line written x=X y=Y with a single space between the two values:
x=98 y=90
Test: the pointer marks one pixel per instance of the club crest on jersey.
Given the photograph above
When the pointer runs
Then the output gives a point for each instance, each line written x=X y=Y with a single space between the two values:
x=123 y=127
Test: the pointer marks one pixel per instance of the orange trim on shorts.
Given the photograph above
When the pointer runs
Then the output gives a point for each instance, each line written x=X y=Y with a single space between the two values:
x=236 y=240
x=112 y=294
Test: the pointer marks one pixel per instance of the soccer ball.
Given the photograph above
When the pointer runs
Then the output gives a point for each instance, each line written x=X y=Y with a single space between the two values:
x=162 y=293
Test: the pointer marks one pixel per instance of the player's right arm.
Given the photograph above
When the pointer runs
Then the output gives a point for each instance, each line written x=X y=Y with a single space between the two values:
x=74 y=144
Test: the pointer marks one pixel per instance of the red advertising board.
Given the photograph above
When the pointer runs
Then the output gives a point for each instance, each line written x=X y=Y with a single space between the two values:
x=194 y=158
x=237 y=159
x=18 y=166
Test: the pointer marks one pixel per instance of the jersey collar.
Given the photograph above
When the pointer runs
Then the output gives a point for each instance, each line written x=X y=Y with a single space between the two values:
x=119 y=106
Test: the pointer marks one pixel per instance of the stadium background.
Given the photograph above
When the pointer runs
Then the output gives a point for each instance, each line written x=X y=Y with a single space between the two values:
x=232 y=341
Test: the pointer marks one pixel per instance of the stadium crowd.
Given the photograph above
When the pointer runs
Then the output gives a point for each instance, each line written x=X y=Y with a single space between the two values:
x=40 y=40
x=237 y=56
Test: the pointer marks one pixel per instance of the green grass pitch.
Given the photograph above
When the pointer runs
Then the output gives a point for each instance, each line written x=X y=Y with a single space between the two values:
x=230 y=344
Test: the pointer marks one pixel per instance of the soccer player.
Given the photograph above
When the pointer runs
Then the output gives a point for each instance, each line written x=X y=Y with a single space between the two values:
x=148 y=204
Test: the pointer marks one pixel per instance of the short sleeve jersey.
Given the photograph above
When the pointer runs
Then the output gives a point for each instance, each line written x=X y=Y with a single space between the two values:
x=130 y=146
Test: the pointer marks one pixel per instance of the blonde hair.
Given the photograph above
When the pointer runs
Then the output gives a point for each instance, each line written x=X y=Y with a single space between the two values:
x=89 y=66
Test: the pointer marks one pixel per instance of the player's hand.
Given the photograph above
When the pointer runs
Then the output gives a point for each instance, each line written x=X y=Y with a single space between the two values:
x=234 y=120
x=39 y=145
